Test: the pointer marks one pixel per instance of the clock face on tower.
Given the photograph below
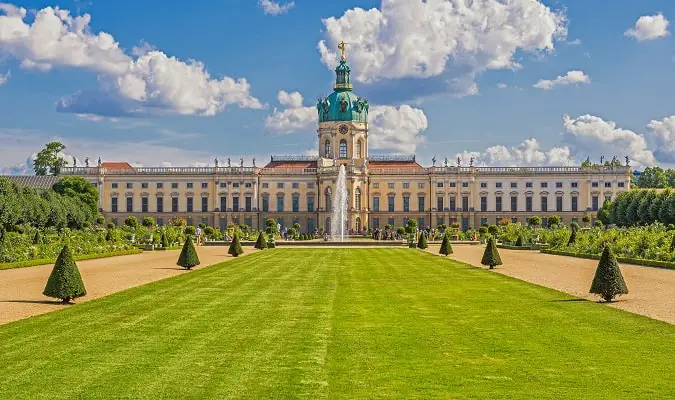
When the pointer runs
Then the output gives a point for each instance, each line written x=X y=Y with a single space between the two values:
x=343 y=129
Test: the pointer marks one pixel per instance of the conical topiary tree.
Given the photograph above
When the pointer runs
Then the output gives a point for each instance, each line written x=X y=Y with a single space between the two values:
x=519 y=241
x=422 y=241
x=188 y=256
x=446 y=247
x=65 y=282
x=573 y=237
x=261 y=243
x=235 y=247
x=37 y=239
x=608 y=281
x=164 y=241
x=491 y=255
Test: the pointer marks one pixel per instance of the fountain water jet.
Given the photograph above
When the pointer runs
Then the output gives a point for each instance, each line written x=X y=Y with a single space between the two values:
x=339 y=217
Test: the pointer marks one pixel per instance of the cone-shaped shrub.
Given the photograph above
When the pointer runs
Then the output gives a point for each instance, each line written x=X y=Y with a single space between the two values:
x=422 y=241
x=261 y=243
x=573 y=237
x=519 y=241
x=164 y=241
x=37 y=239
x=446 y=247
x=491 y=255
x=108 y=236
x=235 y=247
x=608 y=281
x=65 y=282
x=188 y=256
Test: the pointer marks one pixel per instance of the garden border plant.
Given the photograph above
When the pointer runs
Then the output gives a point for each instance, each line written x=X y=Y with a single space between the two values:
x=626 y=260
x=46 y=261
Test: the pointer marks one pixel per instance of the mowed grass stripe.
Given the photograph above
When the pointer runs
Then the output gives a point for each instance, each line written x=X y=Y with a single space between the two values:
x=337 y=323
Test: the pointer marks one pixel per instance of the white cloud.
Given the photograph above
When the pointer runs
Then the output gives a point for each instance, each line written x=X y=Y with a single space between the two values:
x=293 y=100
x=591 y=135
x=5 y=77
x=664 y=134
x=152 y=84
x=527 y=153
x=291 y=120
x=649 y=27
x=502 y=85
x=449 y=39
x=572 y=77
x=274 y=7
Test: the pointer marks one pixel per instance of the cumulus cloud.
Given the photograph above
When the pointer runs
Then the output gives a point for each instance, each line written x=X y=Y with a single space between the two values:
x=592 y=135
x=572 y=77
x=445 y=39
x=527 y=153
x=293 y=118
x=649 y=27
x=664 y=135
x=293 y=100
x=150 y=84
x=274 y=7
x=4 y=77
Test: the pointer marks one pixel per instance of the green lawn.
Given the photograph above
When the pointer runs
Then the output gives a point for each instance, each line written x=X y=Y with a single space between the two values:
x=338 y=323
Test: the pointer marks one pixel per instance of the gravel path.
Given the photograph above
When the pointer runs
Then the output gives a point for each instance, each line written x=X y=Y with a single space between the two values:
x=651 y=290
x=21 y=289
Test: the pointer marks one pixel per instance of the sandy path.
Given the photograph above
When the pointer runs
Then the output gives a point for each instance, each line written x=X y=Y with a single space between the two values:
x=21 y=289
x=652 y=290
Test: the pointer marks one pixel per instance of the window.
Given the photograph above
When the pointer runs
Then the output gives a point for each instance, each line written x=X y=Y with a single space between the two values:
x=575 y=204
x=266 y=203
x=224 y=185
x=295 y=185
x=406 y=203
x=453 y=184
x=376 y=223
x=248 y=204
x=453 y=203
x=498 y=185
x=559 y=204
x=235 y=185
x=420 y=222
x=144 y=204
x=558 y=185
x=621 y=184
x=343 y=148
x=390 y=185
x=465 y=203
x=326 y=148
x=160 y=221
x=483 y=221
x=465 y=184
x=420 y=202
x=265 y=185
x=113 y=204
x=160 y=204
x=439 y=203
x=130 y=204
x=528 y=204
x=544 y=184
x=174 y=185
x=440 y=221
x=144 y=185
x=280 y=185
x=114 y=185
x=235 y=203
x=439 y=184
x=376 y=185
x=205 y=185
x=190 y=204
x=280 y=203
x=574 y=185
x=376 y=203
x=295 y=203
x=130 y=185
x=391 y=221
x=390 y=203
x=420 y=185
x=483 y=185
x=174 y=204
x=189 y=185
x=329 y=205
x=594 y=184
x=357 y=199
x=160 y=185
x=594 y=203
x=498 y=203
x=514 y=185
x=358 y=149
x=514 y=203
x=483 y=203
x=310 y=185
x=544 y=203
x=223 y=203
x=205 y=204
x=248 y=185
x=406 y=185
x=608 y=184
x=310 y=204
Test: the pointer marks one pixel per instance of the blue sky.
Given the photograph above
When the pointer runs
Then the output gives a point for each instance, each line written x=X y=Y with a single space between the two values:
x=464 y=87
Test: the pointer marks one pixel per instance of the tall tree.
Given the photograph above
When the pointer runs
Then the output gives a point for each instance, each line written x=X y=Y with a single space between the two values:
x=645 y=206
x=49 y=160
x=653 y=178
x=79 y=188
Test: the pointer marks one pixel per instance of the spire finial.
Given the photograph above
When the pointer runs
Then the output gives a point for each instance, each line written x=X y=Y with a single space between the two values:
x=341 y=47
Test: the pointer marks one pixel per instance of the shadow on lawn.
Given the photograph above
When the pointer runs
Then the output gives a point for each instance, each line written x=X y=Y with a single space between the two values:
x=567 y=300
x=53 y=302
x=172 y=269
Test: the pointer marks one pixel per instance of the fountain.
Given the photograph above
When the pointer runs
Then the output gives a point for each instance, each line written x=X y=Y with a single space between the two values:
x=339 y=217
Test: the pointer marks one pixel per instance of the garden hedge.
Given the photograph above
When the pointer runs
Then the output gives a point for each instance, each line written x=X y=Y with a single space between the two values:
x=626 y=260
x=34 y=263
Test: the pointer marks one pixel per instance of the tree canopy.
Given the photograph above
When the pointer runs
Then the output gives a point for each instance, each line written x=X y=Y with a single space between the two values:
x=79 y=188
x=49 y=160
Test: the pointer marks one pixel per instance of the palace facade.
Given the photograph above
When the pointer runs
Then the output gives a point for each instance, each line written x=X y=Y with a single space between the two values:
x=382 y=189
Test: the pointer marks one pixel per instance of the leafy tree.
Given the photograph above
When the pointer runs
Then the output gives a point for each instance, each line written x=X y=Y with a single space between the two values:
x=656 y=205
x=608 y=281
x=645 y=206
x=190 y=230
x=131 y=222
x=446 y=246
x=100 y=220
x=49 y=160
x=491 y=255
x=235 y=247
x=666 y=209
x=79 y=188
x=400 y=231
x=586 y=219
x=261 y=243
x=573 y=237
x=632 y=211
x=603 y=212
x=164 y=241
x=202 y=225
x=188 y=256
x=411 y=225
x=653 y=177
x=554 y=220
x=65 y=282
x=291 y=233
x=534 y=221
x=493 y=230
x=148 y=222
x=37 y=238
x=209 y=231
x=422 y=241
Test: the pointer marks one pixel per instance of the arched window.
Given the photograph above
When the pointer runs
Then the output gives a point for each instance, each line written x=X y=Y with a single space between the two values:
x=326 y=148
x=358 y=149
x=343 y=148
x=358 y=224
x=357 y=199
x=329 y=199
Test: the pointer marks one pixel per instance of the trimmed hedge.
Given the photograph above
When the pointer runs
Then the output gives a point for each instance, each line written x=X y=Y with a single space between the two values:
x=627 y=260
x=511 y=247
x=34 y=263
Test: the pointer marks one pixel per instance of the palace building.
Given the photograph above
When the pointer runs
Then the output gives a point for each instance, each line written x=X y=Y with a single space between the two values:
x=382 y=189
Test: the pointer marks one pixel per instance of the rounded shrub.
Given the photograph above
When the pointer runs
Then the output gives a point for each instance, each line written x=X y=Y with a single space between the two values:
x=148 y=222
x=190 y=230
x=131 y=222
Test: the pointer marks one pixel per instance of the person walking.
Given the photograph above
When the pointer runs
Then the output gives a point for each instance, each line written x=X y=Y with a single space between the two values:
x=198 y=234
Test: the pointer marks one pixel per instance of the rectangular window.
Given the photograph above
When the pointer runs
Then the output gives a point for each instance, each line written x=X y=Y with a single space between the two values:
x=390 y=203
x=248 y=201
x=544 y=184
x=205 y=185
x=144 y=185
x=190 y=204
x=558 y=204
x=528 y=184
x=235 y=185
x=594 y=203
x=310 y=203
x=376 y=203
x=130 y=185
x=235 y=203
x=160 y=221
x=483 y=185
x=223 y=185
x=514 y=185
x=174 y=204
x=465 y=203
x=439 y=203
x=453 y=203
x=574 y=185
x=391 y=221
x=114 y=185
x=280 y=203
x=376 y=223
x=608 y=184
x=498 y=203
x=465 y=184
x=420 y=185
x=310 y=185
x=440 y=221
x=420 y=223
x=514 y=203
x=406 y=203
x=174 y=185
x=575 y=204
x=558 y=185
x=483 y=203
x=498 y=185
x=189 y=185
x=453 y=184
x=295 y=203
x=544 y=203
x=376 y=185
x=113 y=204
x=205 y=204
x=160 y=204
x=406 y=185
x=621 y=184
x=223 y=203
x=420 y=202
x=160 y=185
x=390 y=185
x=528 y=204
x=266 y=185
x=248 y=185
x=280 y=185
x=295 y=185
x=439 y=184
x=594 y=184
x=144 y=204
x=483 y=221
x=266 y=203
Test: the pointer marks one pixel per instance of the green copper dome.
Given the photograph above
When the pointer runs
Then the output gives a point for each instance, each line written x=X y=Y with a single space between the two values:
x=342 y=104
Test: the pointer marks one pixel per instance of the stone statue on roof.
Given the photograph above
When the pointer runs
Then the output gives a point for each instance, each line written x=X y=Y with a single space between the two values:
x=86 y=162
x=229 y=162
x=99 y=161
x=215 y=161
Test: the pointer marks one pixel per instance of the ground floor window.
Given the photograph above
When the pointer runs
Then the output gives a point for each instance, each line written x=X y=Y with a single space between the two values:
x=376 y=223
